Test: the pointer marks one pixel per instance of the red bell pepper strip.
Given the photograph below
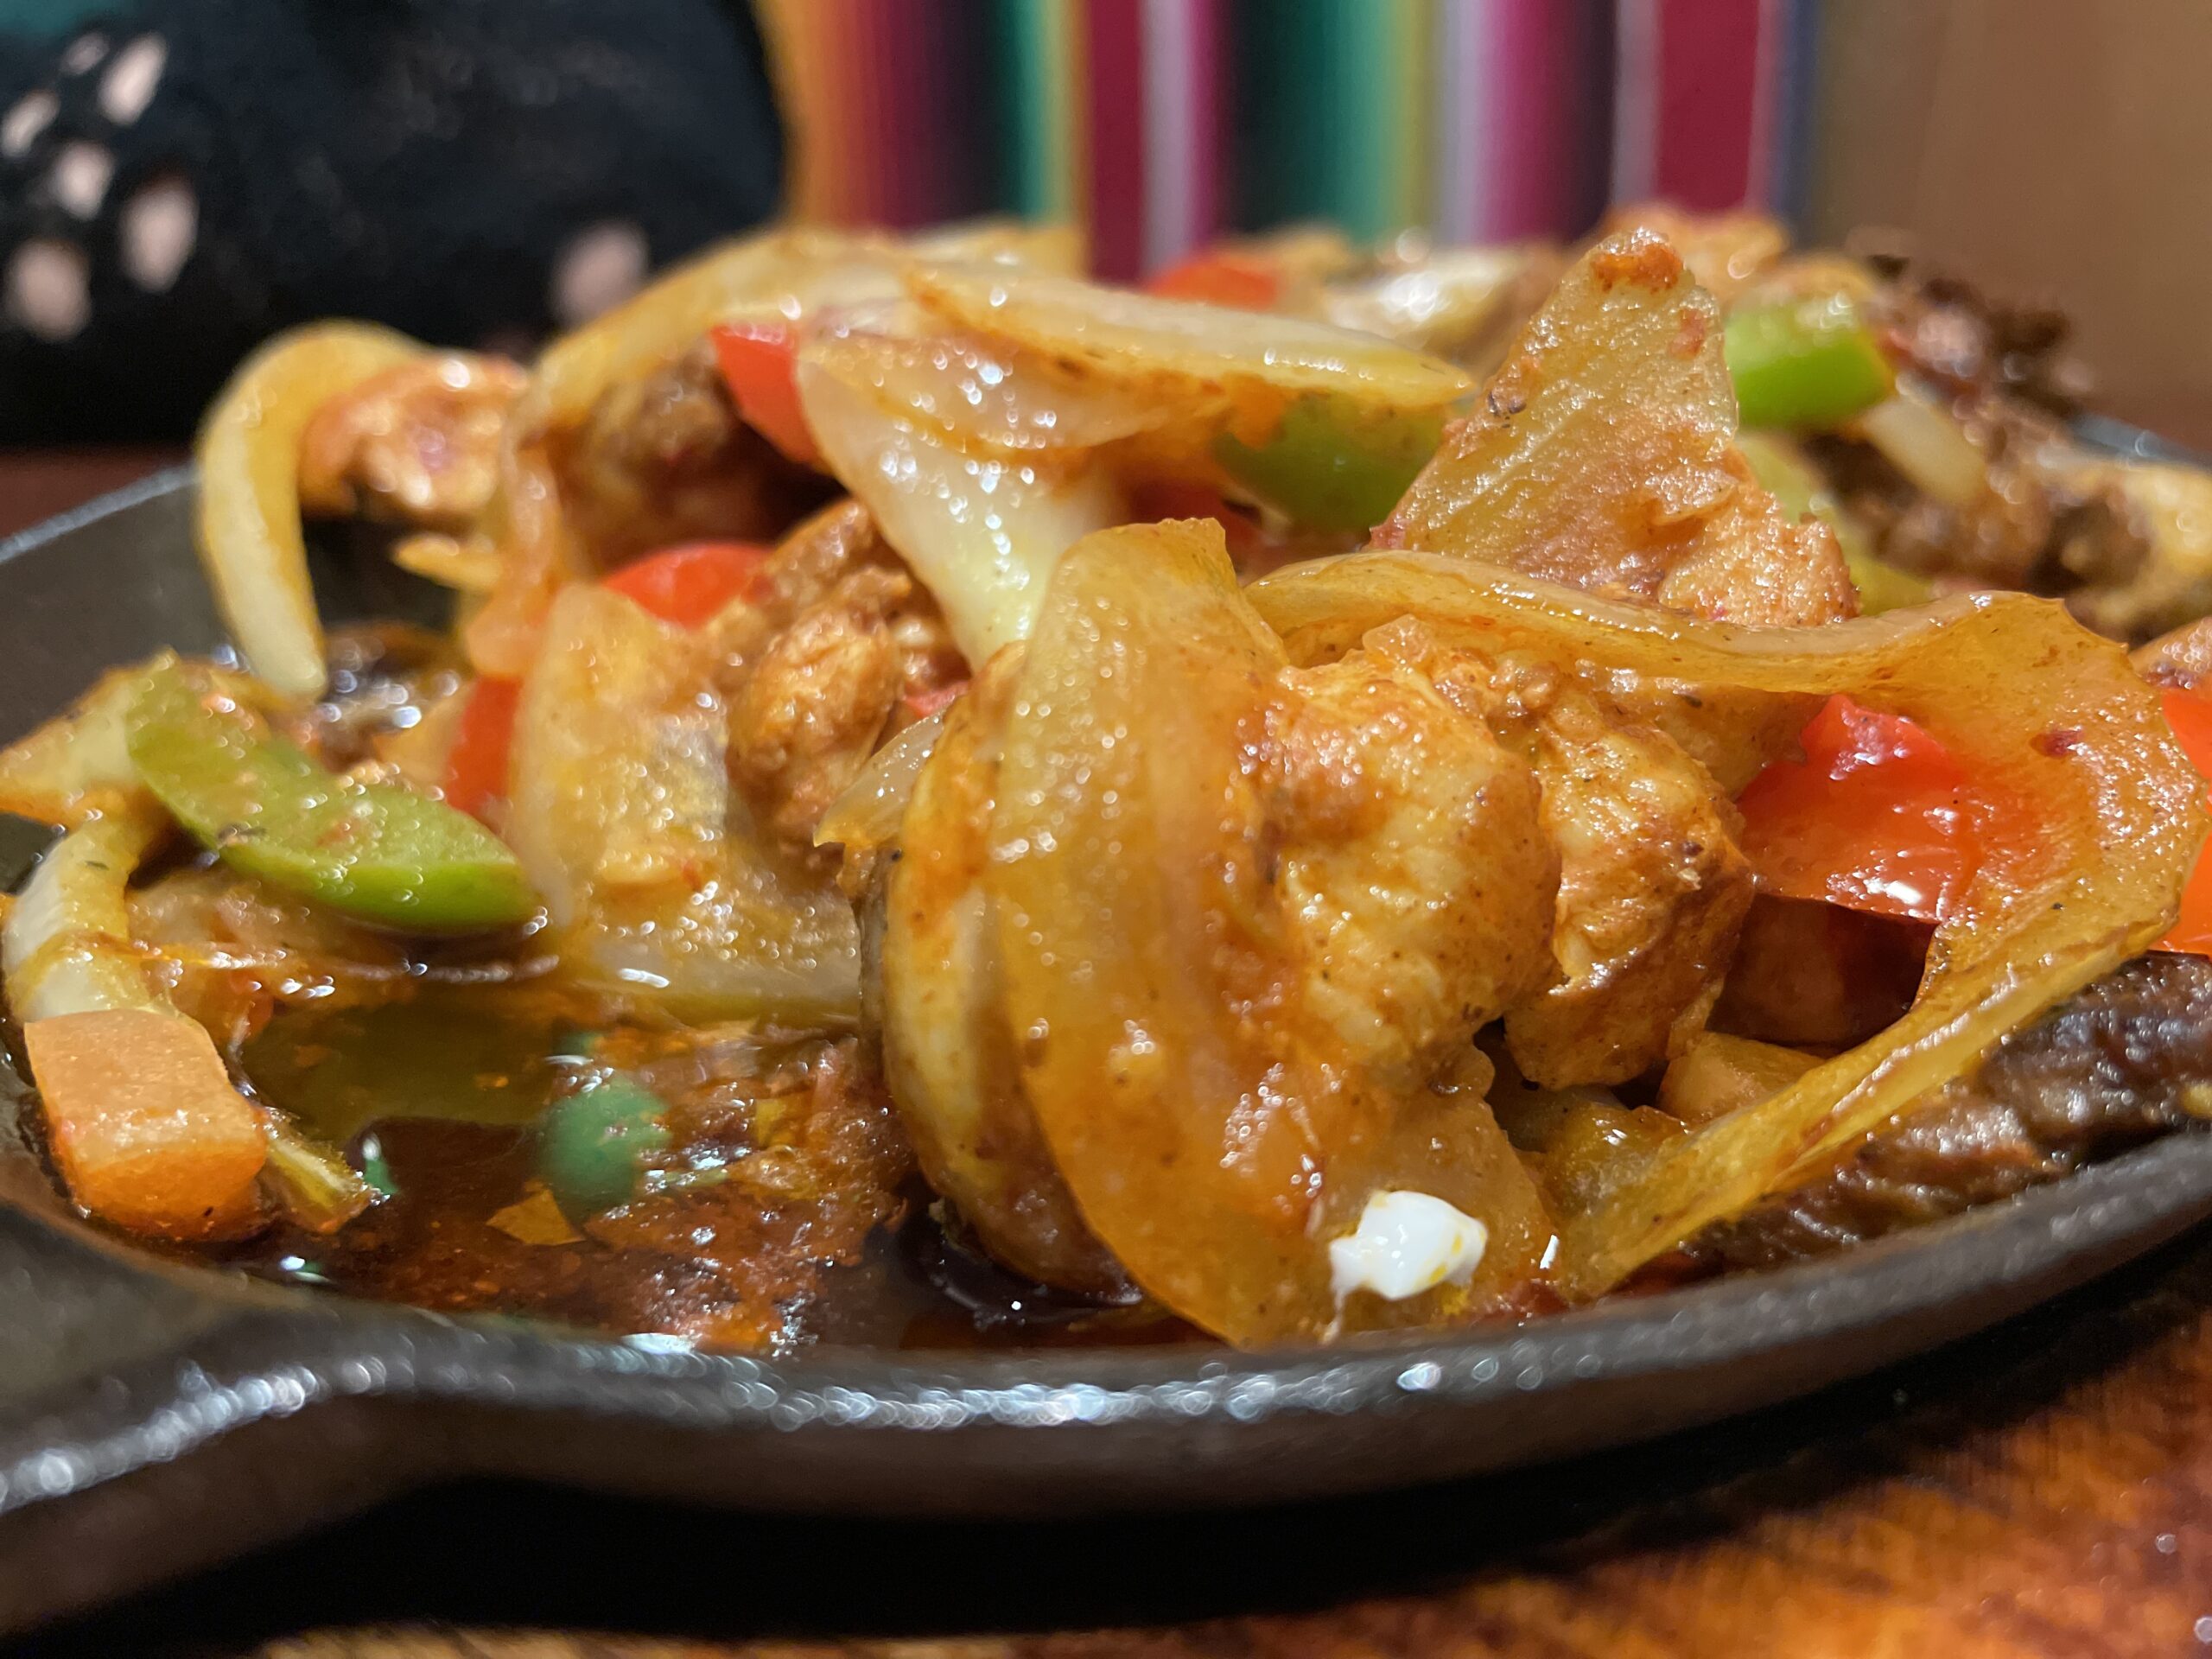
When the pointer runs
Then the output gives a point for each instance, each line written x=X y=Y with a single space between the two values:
x=684 y=585
x=1879 y=817
x=920 y=705
x=689 y=584
x=1236 y=280
x=2190 y=715
x=760 y=364
x=476 y=766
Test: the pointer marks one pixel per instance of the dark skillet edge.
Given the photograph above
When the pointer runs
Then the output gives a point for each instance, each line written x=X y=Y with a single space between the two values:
x=401 y=1397
x=272 y=1354
x=167 y=481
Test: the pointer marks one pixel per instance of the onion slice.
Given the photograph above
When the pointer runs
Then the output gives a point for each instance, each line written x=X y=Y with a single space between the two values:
x=2045 y=714
x=1215 y=1131
x=982 y=532
x=1179 y=349
x=248 y=452
x=624 y=814
x=867 y=812
x=67 y=948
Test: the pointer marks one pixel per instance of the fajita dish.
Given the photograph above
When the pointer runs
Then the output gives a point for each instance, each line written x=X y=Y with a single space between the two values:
x=1348 y=791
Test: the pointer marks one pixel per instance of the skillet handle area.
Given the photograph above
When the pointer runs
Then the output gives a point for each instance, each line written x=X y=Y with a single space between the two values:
x=108 y=1380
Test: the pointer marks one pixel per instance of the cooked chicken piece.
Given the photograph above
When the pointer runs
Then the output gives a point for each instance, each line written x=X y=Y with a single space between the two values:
x=1652 y=888
x=1652 y=893
x=665 y=459
x=807 y=716
x=419 y=443
x=1408 y=899
x=818 y=665
x=1410 y=857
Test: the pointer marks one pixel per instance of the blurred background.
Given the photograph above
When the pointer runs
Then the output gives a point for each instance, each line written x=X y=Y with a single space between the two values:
x=180 y=178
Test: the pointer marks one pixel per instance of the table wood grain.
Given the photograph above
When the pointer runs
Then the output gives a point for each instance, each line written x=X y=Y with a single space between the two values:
x=2042 y=1489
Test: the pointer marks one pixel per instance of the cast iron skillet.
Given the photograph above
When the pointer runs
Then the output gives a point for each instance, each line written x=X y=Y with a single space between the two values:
x=154 y=1417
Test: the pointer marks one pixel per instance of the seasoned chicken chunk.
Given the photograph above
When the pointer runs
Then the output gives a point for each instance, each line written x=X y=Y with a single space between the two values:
x=1408 y=850
x=418 y=443
x=807 y=716
x=1652 y=893
x=1652 y=886
x=665 y=458
x=838 y=635
x=1403 y=898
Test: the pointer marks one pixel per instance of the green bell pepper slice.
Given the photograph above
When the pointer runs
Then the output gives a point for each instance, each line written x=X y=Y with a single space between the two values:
x=1331 y=465
x=1805 y=365
x=374 y=851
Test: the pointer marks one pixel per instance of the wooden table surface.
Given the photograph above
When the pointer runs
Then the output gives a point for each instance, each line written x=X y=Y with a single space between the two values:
x=2044 y=1490
x=37 y=484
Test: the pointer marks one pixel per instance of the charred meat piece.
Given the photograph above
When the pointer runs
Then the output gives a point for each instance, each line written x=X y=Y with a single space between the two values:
x=665 y=459
x=2124 y=1061
x=2123 y=542
x=1967 y=341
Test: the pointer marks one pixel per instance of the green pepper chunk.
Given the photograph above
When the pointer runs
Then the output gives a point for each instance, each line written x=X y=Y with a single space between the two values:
x=376 y=1168
x=374 y=851
x=590 y=1145
x=1883 y=586
x=1333 y=466
x=1802 y=493
x=1807 y=366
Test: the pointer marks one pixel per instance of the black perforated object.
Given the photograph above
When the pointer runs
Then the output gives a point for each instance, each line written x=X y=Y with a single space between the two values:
x=418 y=162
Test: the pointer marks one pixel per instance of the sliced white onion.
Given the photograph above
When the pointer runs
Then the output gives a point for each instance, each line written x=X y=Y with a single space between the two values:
x=248 y=452
x=1171 y=348
x=868 y=811
x=1928 y=446
x=66 y=945
x=977 y=393
x=1448 y=297
x=984 y=533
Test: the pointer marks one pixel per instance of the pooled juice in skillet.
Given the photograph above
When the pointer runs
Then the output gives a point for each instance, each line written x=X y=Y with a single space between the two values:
x=789 y=1212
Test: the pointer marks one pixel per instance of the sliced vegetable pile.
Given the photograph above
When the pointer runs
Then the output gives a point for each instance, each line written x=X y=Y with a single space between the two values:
x=1340 y=791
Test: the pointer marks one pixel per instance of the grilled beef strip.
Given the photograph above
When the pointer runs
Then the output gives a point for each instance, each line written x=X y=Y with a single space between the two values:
x=2127 y=1058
